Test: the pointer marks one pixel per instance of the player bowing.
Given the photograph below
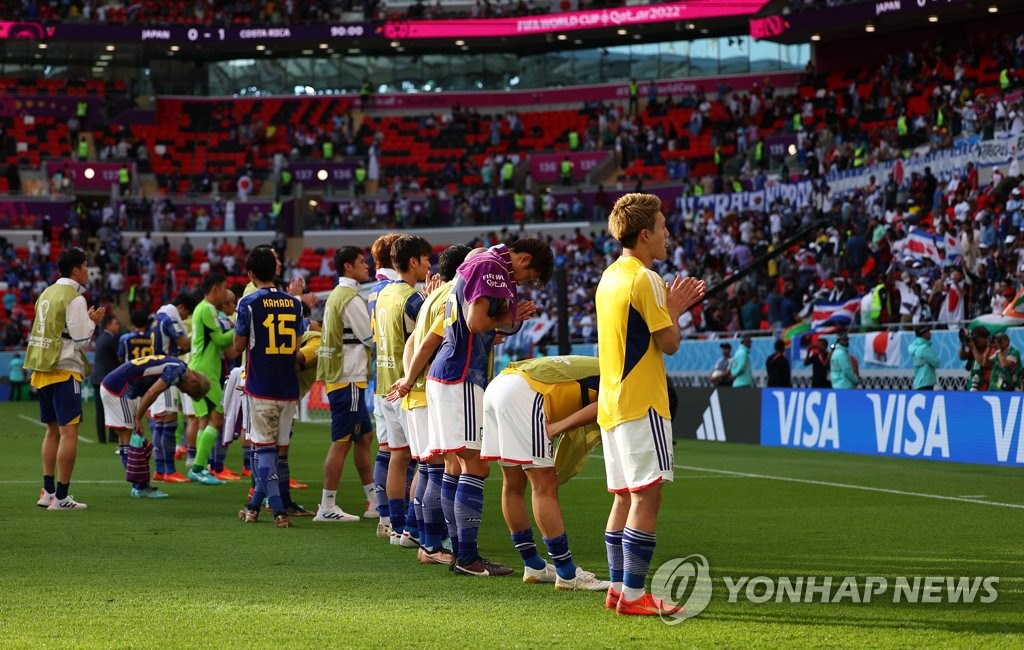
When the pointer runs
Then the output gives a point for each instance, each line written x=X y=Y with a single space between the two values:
x=128 y=392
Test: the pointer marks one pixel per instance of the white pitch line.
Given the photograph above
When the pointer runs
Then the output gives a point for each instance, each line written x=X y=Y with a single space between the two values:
x=848 y=486
x=970 y=498
x=34 y=421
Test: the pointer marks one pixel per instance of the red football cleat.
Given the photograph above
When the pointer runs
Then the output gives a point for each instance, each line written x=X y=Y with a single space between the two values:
x=611 y=601
x=180 y=452
x=158 y=477
x=176 y=477
x=646 y=605
x=295 y=485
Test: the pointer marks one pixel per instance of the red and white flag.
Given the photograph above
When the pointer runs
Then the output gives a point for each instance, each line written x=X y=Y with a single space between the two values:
x=883 y=348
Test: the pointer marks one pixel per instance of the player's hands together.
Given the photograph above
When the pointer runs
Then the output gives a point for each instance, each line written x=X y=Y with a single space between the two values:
x=96 y=314
x=684 y=294
x=296 y=286
x=525 y=310
x=432 y=282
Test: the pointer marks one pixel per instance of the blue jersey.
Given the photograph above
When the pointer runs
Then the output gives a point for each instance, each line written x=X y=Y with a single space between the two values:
x=371 y=302
x=463 y=355
x=135 y=345
x=166 y=333
x=271 y=321
x=133 y=378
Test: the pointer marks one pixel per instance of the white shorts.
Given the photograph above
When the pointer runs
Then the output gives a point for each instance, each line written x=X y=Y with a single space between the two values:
x=456 y=416
x=166 y=403
x=638 y=453
x=380 y=425
x=271 y=420
x=515 y=426
x=417 y=423
x=394 y=423
x=187 y=407
x=118 y=412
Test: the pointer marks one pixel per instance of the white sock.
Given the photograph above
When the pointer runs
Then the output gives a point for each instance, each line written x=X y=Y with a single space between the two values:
x=368 y=489
x=327 y=500
x=386 y=521
x=617 y=586
x=631 y=594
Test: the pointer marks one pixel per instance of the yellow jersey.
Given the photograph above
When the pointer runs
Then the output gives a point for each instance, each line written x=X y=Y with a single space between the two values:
x=631 y=303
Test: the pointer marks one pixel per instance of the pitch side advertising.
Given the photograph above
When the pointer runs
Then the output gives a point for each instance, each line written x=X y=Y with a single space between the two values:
x=983 y=428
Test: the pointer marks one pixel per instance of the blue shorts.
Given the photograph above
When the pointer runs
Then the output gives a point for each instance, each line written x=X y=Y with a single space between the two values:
x=61 y=403
x=350 y=419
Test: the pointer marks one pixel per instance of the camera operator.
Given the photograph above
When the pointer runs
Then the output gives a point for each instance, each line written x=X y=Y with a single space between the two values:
x=977 y=351
x=1005 y=365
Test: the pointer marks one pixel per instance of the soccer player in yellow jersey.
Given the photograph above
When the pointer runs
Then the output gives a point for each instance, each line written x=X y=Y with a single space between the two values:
x=525 y=408
x=397 y=306
x=636 y=325
x=428 y=334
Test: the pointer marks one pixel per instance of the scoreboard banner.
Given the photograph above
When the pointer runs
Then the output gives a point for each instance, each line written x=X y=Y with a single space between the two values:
x=185 y=34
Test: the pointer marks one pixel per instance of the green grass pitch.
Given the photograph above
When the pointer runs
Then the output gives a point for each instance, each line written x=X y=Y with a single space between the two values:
x=184 y=572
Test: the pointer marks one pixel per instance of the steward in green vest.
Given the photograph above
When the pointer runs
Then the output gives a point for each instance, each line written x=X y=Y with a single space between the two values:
x=360 y=177
x=123 y=176
x=81 y=109
x=275 y=209
x=858 y=156
x=737 y=186
x=574 y=140
x=327 y=150
x=940 y=118
x=698 y=189
x=508 y=170
x=83 y=148
x=901 y=125
x=1004 y=79
x=759 y=153
x=519 y=201
x=797 y=124
x=565 y=171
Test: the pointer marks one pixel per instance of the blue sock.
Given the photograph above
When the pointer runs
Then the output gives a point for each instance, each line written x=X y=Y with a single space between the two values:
x=168 y=431
x=192 y=454
x=469 y=508
x=637 y=550
x=156 y=430
x=558 y=549
x=412 y=526
x=449 y=486
x=49 y=484
x=433 y=529
x=259 y=491
x=218 y=454
x=613 y=545
x=284 y=474
x=246 y=460
x=410 y=472
x=122 y=451
x=397 y=508
x=266 y=470
x=417 y=501
x=523 y=541
x=380 y=479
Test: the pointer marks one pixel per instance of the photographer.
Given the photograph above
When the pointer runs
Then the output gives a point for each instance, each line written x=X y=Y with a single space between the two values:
x=977 y=351
x=1006 y=372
